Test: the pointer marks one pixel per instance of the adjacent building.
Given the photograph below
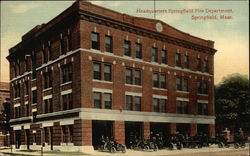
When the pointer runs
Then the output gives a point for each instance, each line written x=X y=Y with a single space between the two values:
x=92 y=71
x=4 y=106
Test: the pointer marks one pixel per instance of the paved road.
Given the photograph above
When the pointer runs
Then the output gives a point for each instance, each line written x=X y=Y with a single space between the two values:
x=222 y=153
x=211 y=151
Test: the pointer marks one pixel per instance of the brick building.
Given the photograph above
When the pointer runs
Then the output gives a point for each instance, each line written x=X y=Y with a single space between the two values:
x=93 y=71
x=4 y=103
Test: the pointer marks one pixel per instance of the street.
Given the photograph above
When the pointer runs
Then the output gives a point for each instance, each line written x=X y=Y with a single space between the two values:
x=207 y=151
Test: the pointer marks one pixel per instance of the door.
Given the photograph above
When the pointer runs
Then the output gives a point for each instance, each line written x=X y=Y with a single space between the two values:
x=28 y=138
x=51 y=138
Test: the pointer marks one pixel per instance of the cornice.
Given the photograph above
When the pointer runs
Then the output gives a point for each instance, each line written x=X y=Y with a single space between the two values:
x=91 y=17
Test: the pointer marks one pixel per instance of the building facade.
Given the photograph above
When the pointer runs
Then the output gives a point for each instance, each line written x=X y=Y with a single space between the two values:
x=92 y=71
x=4 y=105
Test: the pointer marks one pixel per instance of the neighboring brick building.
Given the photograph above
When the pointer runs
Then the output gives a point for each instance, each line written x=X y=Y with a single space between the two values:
x=93 y=71
x=4 y=102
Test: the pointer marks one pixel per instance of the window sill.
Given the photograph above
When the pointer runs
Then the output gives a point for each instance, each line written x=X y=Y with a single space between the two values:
x=163 y=89
x=44 y=90
x=102 y=81
x=202 y=94
x=66 y=83
x=185 y=92
x=132 y=85
x=18 y=98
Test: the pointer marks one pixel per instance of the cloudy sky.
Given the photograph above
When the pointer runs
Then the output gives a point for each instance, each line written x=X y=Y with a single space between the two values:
x=230 y=35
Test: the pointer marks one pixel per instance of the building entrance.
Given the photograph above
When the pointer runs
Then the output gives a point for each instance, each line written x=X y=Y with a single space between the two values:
x=157 y=128
x=100 y=128
x=18 y=138
x=132 y=129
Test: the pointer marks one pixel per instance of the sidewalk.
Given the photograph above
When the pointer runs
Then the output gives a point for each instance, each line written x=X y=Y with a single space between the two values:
x=129 y=152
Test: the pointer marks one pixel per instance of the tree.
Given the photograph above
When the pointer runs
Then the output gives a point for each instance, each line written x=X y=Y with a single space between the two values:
x=232 y=105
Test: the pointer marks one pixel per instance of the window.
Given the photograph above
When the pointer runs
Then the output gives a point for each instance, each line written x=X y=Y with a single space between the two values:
x=154 y=56
x=45 y=56
x=48 y=79
x=34 y=138
x=64 y=134
x=178 y=59
x=107 y=72
x=67 y=73
x=155 y=80
x=26 y=83
x=186 y=61
x=181 y=107
x=129 y=105
x=46 y=53
x=163 y=103
x=27 y=109
x=138 y=50
x=95 y=40
x=163 y=81
x=67 y=101
x=164 y=56
x=128 y=75
x=97 y=100
x=185 y=85
x=127 y=48
x=107 y=100
x=137 y=76
x=46 y=134
x=18 y=112
x=199 y=88
x=133 y=76
x=155 y=105
x=64 y=45
x=71 y=134
x=17 y=90
x=206 y=66
x=198 y=64
x=33 y=57
x=102 y=71
x=202 y=108
x=108 y=44
x=48 y=106
x=97 y=71
x=137 y=103
x=178 y=84
x=181 y=84
x=34 y=96
x=205 y=87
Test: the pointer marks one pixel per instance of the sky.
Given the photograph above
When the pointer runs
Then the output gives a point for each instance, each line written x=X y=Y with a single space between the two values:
x=231 y=36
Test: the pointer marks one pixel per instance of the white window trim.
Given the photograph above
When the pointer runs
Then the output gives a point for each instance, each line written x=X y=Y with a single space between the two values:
x=47 y=124
x=66 y=122
x=102 y=81
x=133 y=93
x=102 y=90
x=160 y=96
x=202 y=101
x=17 y=105
x=182 y=99
x=65 y=92
x=47 y=97
x=33 y=88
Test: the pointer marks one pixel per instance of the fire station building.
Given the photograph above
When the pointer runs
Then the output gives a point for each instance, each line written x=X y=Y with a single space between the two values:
x=92 y=71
